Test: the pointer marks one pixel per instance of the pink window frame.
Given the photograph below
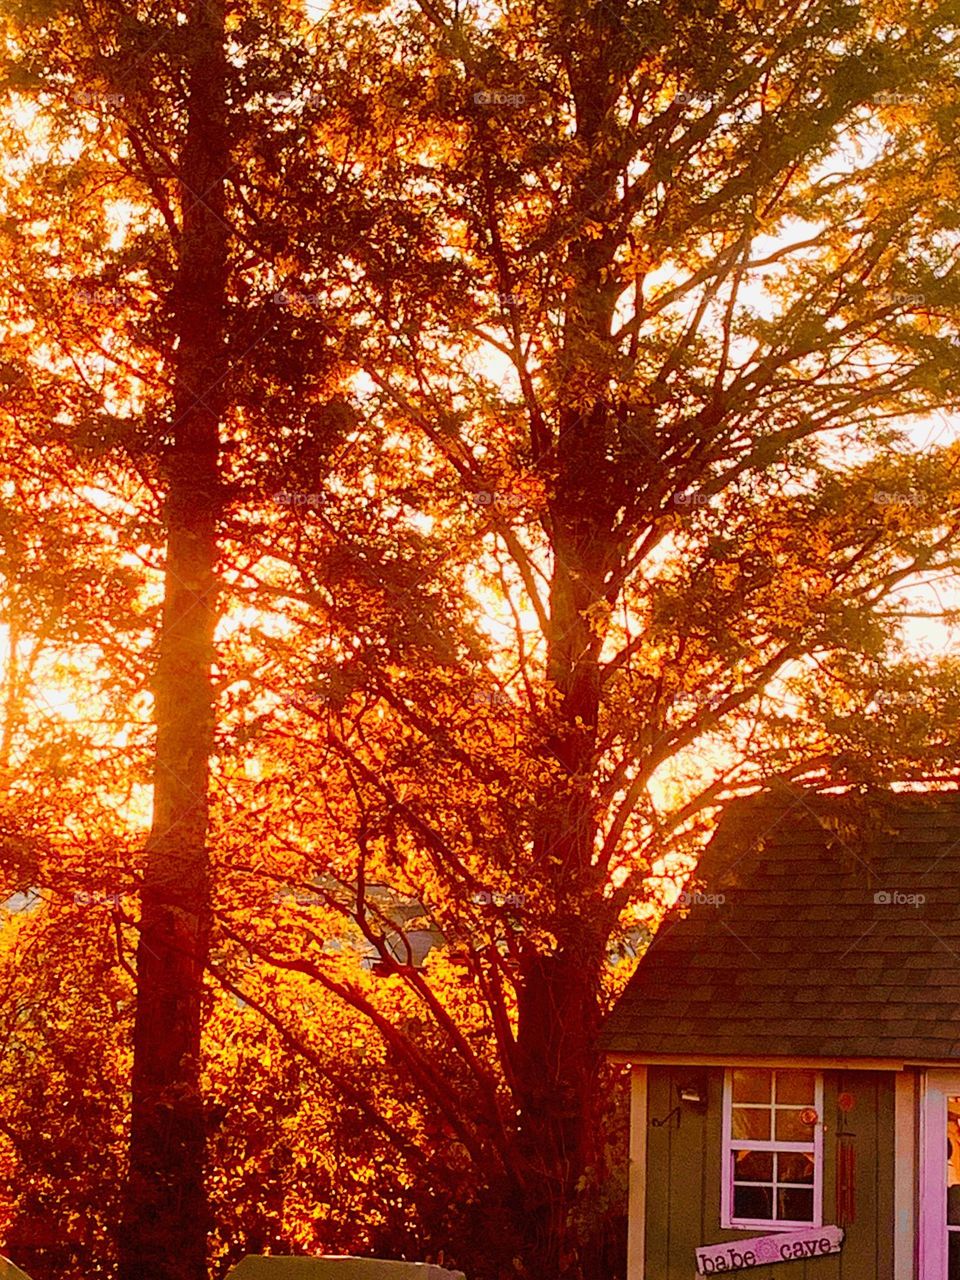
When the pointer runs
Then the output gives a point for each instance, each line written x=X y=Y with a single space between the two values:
x=937 y=1087
x=727 y=1219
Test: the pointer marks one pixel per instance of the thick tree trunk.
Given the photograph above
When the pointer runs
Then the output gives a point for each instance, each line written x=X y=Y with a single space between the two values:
x=559 y=1003
x=164 y=1231
x=559 y=1103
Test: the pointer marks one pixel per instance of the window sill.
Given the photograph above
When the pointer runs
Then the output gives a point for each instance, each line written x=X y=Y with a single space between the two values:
x=767 y=1225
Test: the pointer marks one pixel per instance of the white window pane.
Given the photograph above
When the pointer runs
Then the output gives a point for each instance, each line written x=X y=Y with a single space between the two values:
x=753 y=1166
x=751 y=1122
x=793 y=1126
x=798 y=1087
x=753 y=1202
x=752 y=1085
x=795 y=1204
x=795 y=1166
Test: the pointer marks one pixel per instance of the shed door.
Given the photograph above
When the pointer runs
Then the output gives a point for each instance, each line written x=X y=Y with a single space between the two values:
x=940 y=1178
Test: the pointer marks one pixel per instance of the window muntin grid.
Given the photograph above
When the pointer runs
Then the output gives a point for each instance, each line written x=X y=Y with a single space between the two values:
x=772 y=1148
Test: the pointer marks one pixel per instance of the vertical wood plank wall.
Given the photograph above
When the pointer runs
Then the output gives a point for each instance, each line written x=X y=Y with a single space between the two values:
x=637 y=1196
x=684 y=1170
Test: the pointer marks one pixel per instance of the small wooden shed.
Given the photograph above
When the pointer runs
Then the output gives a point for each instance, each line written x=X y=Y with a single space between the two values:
x=794 y=1037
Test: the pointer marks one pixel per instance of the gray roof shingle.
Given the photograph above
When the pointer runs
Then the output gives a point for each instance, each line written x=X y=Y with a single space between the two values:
x=801 y=957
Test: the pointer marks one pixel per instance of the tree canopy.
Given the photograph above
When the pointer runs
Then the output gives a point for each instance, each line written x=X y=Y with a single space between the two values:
x=485 y=439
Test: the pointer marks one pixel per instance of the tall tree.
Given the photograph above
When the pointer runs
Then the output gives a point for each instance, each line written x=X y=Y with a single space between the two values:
x=649 y=381
x=174 y=286
x=165 y=1220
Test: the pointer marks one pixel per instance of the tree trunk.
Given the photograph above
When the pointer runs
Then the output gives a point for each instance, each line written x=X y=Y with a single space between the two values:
x=559 y=1002
x=559 y=1103
x=165 y=1206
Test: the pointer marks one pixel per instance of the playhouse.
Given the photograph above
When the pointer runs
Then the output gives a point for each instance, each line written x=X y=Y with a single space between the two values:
x=794 y=1037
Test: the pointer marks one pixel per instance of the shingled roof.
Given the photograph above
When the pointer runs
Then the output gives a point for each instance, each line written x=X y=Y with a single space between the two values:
x=834 y=933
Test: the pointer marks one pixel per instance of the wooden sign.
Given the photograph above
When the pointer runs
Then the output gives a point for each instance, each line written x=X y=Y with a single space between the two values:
x=787 y=1246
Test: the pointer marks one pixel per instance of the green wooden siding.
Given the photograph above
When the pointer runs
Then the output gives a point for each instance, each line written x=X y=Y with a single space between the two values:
x=684 y=1169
